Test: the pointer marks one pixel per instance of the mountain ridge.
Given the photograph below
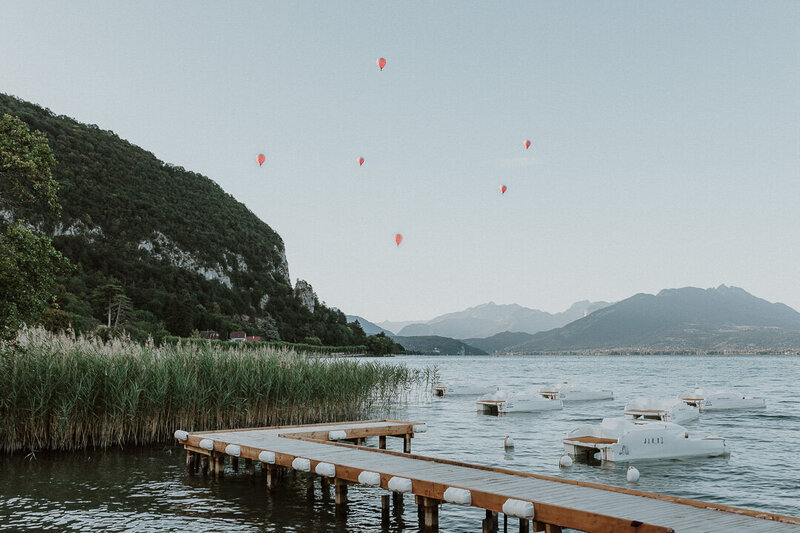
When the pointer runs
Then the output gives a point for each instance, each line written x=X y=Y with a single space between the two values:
x=488 y=319
x=688 y=318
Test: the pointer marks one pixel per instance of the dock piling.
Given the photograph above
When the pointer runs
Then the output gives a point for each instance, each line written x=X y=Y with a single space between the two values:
x=382 y=442
x=340 y=491
x=524 y=525
x=385 y=509
x=250 y=467
x=272 y=475
x=397 y=502
x=431 y=513
x=407 y=443
x=235 y=463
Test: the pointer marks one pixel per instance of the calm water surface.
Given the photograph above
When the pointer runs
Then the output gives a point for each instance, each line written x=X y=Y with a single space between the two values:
x=148 y=489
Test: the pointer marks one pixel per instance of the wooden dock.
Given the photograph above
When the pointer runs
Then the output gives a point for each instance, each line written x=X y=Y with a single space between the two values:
x=333 y=453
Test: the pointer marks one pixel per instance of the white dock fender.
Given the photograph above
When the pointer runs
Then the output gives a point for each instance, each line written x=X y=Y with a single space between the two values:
x=458 y=496
x=207 y=444
x=518 y=508
x=399 y=484
x=181 y=434
x=372 y=479
x=337 y=434
x=267 y=457
x=420 y=428
x=302 y=464
x=233 y=449
x=326 y=469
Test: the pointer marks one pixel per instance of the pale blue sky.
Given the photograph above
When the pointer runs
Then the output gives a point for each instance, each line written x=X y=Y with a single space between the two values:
x=666 y=136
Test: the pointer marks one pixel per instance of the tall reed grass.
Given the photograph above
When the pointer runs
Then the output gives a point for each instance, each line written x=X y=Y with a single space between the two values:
x=61 y=392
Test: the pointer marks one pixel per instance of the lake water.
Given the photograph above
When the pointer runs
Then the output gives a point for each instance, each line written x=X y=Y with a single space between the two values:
x=149 y=490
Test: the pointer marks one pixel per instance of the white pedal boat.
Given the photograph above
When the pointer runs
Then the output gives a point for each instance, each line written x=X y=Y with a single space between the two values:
x=707 y=400
x=461 y=389
x=569 y=392
x=663 y=409
x=621 y=439
x=501 y=402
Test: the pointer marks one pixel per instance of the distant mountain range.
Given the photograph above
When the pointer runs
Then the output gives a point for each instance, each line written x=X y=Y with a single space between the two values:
x=368 y=327
x=674 y=320
x=428 y=344
x=488 y=319
x=718 y=319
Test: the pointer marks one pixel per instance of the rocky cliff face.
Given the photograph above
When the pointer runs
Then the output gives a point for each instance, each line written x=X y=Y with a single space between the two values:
x=305 y=293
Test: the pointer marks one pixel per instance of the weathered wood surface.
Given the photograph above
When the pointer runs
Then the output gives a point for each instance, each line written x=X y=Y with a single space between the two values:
x=559 y=502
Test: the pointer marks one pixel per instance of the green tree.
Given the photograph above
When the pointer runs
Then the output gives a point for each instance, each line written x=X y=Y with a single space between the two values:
x=26 y=162
x=111 y=300
x=28 y=266
x=28 y=262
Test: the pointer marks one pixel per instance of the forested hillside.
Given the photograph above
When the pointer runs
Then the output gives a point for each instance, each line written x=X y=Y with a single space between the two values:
x=157 y=248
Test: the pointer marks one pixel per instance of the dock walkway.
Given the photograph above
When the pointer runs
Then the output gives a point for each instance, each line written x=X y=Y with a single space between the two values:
x=557 y=503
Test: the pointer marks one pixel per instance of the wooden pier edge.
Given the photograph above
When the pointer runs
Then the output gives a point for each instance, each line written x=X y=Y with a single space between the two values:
x=623 y=490
x=545 y=513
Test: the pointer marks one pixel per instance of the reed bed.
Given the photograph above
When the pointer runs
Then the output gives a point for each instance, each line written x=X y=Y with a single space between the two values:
x=62 y=392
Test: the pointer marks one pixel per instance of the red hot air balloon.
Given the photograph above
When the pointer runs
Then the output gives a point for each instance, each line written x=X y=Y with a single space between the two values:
x=503 y=189
x=398 y=239
x=527 y=144
x=261 y=158
x=360 y=161
x=381 y=63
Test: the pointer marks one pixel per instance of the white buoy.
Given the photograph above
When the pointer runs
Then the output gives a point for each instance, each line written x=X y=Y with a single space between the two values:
x=633 y=474
x=508 y=443
x=565 y=461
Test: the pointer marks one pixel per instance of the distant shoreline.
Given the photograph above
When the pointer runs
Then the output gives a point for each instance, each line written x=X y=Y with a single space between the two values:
x=623 y=352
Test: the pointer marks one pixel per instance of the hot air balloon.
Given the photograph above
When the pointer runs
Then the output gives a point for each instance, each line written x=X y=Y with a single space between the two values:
x=527 y=144
x=261 y=158
x=398 y=239
x=360 y=161
x=503 y=189
x=381 y=63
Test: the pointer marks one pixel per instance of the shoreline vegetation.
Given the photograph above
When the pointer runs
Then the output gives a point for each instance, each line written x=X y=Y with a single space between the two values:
x=61 y=392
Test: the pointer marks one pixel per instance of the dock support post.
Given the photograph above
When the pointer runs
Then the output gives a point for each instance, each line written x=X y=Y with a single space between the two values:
x=397 y=501
x=382 y=442
x=490 y=523
x=407 y=443
x=235 y=463
x=385 y=509
x=272 y=475
x=431 y=506
x=217 y=465
x=310 y=487
x=340 y=491
x=552 y=528
x=523 y=525
x=189 y=461
x=204 y=464
x=505 y=523
x=324 y=484
x=419 y=500
x=250 y=467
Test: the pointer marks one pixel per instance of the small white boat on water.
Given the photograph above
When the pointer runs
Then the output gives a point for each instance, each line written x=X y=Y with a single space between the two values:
x=502 y=402
x=461 y=389
x=571 y=392
x=663 y=409
x=707 y=400
x=622 y=439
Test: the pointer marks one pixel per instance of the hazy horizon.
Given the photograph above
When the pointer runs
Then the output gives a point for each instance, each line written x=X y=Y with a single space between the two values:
x=666 y=137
